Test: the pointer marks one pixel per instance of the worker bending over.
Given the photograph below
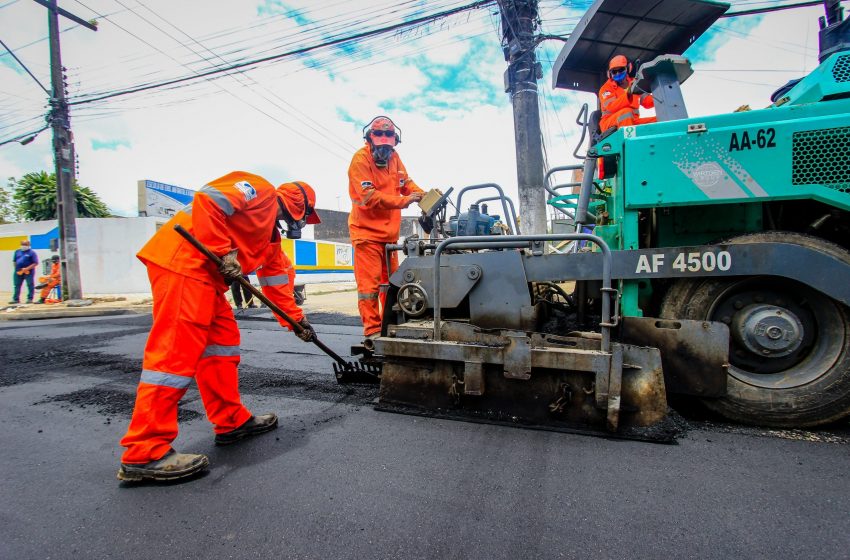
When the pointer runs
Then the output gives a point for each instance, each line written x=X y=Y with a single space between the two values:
x=619 y=105
x=47 y=283
x=379 y=188
x=194 y=333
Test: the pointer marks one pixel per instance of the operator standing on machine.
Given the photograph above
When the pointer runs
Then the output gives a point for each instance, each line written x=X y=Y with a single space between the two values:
x=379 y=188
x=194 y=333
x=620 y=106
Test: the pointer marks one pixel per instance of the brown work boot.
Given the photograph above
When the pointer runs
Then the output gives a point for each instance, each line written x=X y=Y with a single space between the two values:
x=171 y=466
x=255 y=425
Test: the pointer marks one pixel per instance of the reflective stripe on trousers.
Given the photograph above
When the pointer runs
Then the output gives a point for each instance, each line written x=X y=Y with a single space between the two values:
x=220 y=350
x=164 y=379
x=280 y=280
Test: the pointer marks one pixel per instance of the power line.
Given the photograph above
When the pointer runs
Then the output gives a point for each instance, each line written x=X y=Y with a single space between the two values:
x=24 y=66
x=25 y=136
x=328 y=134
x=272 y=117
x=294 y=52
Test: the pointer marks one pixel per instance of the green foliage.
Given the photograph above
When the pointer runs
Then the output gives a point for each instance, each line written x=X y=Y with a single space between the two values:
x=9 y=212
x=35 y=195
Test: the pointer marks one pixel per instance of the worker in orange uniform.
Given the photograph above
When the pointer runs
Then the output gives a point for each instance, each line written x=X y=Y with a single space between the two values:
x=47 y=283
x=194 y=333
x=379 y=188
x=619 y=105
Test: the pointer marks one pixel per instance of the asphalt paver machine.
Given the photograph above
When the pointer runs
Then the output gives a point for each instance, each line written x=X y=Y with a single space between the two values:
x=710 y=258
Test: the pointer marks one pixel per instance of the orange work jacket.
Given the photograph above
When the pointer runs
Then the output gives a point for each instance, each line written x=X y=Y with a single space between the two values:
x=237 y=211
x=55 y=271
x=613 y=98
x=377 y=197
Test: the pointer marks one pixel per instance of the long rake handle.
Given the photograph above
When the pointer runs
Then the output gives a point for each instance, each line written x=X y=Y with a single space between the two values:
x=258 y=294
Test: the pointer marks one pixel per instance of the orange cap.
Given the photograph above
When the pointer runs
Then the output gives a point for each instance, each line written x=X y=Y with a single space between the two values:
x=293 y=199
x=618 y=61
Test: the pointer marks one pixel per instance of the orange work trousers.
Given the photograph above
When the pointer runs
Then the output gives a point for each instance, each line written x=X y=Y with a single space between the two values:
x=370 y=271
x=51 y=283
x=194 y=335
x=624 y=117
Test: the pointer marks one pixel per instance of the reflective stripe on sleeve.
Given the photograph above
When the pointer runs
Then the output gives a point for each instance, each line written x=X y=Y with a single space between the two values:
x=361 y=295
x=219 y=198
x=187 y=209
x=625 y=116
x=165 y=379
x=220 y=350
x=279 y=280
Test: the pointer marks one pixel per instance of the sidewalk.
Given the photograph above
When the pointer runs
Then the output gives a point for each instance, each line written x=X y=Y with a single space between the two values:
x=123 y=304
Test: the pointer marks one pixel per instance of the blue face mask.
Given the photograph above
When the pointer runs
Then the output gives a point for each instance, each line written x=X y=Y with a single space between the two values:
x=619 y=77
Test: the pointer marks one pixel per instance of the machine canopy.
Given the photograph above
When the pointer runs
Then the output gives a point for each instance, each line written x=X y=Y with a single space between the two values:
x=638 y=29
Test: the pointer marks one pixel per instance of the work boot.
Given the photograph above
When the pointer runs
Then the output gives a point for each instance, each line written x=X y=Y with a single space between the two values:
x=14 y=302
x=255 y=425
x=40 y=300
x=171 y=466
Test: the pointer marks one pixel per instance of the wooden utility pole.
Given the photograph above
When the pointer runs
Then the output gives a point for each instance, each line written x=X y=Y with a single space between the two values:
x=519 y=19
x=63 y=153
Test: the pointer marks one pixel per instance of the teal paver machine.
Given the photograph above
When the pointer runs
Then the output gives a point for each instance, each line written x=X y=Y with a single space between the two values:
x=707 y=258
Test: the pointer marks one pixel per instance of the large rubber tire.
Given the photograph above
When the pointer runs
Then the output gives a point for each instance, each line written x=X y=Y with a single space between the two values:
x=813 y=391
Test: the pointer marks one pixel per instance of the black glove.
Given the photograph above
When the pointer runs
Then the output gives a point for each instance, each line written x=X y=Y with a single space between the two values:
x=308 y=333
x=230 y=267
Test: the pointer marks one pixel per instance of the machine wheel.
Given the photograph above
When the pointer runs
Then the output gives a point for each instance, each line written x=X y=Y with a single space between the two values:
x=789 y=347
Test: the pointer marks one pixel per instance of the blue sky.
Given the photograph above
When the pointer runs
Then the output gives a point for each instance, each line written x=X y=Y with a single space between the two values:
x=300 y=118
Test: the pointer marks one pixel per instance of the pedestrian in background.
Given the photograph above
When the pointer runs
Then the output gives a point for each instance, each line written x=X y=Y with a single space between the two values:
x=240 y=293
x=51 y=281
x=25 y=261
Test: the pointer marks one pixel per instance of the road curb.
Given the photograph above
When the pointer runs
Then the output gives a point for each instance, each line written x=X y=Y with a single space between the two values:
x=72 y=312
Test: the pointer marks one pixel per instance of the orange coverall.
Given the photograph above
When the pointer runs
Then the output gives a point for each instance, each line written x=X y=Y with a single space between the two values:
x=53 y=280
x=377 y=197
x=621 y=109
x=194 y=333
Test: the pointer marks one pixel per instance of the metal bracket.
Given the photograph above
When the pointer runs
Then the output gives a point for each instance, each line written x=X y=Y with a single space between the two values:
x=615 y=384
x=517 y=357
x=473 y=378
x=615 y=313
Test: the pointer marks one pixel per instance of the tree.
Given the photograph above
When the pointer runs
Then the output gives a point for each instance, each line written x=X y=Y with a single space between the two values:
x=35 y=194
x=9 y=211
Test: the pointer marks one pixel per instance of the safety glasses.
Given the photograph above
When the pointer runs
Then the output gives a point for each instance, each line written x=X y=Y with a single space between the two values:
x=387 y=133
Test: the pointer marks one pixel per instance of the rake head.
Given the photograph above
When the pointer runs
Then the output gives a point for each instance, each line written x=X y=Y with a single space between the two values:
x=353 y=372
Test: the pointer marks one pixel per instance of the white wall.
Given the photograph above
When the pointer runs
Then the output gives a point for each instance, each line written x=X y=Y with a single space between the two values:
x=107 y=249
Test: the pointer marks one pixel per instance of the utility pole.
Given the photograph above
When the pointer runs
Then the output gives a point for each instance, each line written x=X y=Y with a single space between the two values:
x=63 y=154
x=519 y=19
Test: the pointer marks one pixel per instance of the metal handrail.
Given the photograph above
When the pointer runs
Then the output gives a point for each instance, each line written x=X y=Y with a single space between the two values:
x=510 y=203
x=515 y=228
x=519 y=241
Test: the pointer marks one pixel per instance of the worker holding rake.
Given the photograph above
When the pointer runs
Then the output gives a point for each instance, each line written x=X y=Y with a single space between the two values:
x=194 y=333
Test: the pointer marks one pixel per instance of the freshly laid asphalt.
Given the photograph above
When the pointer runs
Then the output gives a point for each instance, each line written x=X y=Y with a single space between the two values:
x=340 y=480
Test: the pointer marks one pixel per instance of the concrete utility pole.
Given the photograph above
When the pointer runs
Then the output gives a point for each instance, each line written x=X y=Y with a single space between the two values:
x=63 y=153
x=519 y=19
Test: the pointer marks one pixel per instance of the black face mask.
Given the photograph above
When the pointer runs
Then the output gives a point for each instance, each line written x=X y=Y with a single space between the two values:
x=293 y=226
x=382 y=154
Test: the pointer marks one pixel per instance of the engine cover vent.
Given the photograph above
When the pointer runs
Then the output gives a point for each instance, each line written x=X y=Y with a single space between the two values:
x=841 y=70
x=822 y=157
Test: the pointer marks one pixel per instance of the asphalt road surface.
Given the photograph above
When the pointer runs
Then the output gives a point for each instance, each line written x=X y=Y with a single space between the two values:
x=340 y=480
